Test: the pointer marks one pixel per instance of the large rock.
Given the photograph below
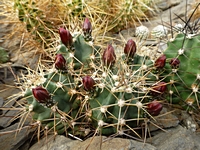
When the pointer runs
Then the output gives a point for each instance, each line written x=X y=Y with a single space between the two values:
x=12 y=139
x=22 y=49
x=177 y=139
x=177 y=8
x=63 y=143
x=165 y=4
x=7 y=102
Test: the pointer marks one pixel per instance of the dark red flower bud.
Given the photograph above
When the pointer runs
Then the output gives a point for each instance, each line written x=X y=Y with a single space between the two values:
x=87 y=28
x=88 y=83
x=130 y=48
x=174 y=62
x=154 y=108
x=160 y=62
x=159 y=89
x=60 y=62
x=109 y=56
x=41 y=94
x=66 y=37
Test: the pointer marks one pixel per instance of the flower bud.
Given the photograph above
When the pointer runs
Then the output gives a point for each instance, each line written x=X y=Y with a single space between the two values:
x=174 y=62
x=60 y=62
x=130 y=48
x=109 y=56
x=154 y=108
x=66 y=37
x=87 y=28
x=41 y=94
x=159 y=89
x=160 y=62
x=88 y=83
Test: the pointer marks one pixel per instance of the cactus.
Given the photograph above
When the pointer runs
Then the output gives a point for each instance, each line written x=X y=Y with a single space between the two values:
x=35 y=20
x=56 y=102
x=59 y=111
x=94 y=89
x=180 y=66
x=4 y=57
x=181 y=71
x=42 y=18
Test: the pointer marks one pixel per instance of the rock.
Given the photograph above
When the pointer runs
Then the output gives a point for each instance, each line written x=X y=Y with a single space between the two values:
x=165 y=4
x=162 y=46
x=7 y=102
x=50 y=143
x=22 y=49
x=30 y=58
x=164 y=120
x=1 y=101
x=7 y=92
x=128 y=33
x=25 y=146
x=178 y=138
x=113 y=144
x=1 y=104
x=164 y=16
x=12 y=140
x=188 y=121
x=8 y=87
x=95 y=143
x=7 y=118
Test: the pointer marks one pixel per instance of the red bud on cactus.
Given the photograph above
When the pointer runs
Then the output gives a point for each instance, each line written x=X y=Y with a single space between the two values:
x=154 y=108
x=109 y=56
x=41 y=94
x=88 y=83
x=130 y=48
x=159 y=89
x=87 y=27
x=174 y=62
x=60 y=62
x=66 y=37
x=160 y=62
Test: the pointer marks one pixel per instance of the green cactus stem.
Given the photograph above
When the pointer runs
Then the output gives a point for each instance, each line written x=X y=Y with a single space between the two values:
x=182 y=72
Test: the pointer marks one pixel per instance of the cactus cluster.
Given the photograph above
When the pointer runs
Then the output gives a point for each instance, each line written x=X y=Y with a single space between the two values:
x=181 y=63
x=35 y=20
x=92 y=89
x=182 y=70
x=42 y=18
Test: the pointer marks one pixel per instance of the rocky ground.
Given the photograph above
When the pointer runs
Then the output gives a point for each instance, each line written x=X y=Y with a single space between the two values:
x=179 y=130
